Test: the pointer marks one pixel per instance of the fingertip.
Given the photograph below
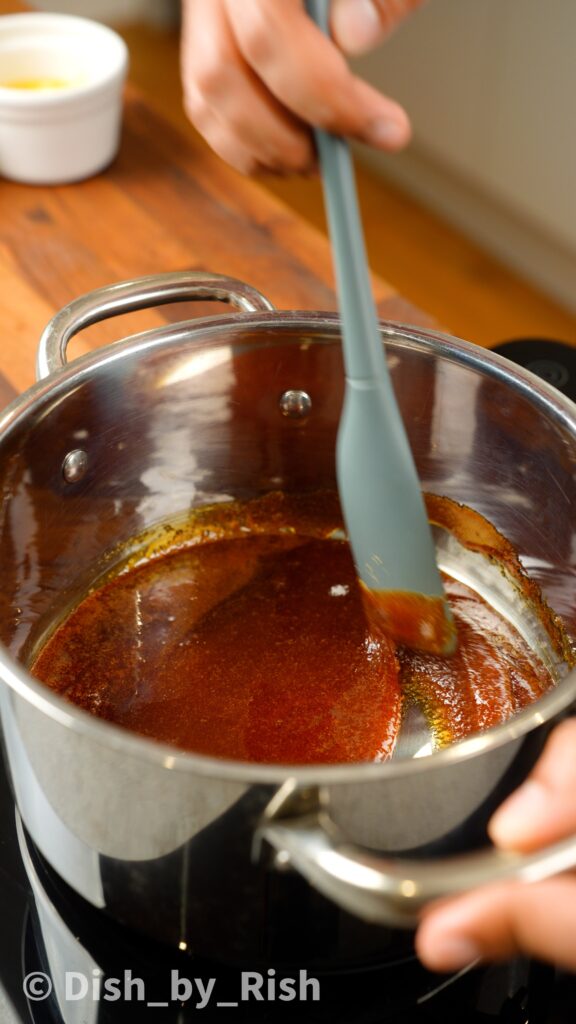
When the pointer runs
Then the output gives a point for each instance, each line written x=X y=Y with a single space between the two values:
x=451 y=953
x=387 y=133
x=521 y=816
x=356 y=25
x=388 y=128
x=444 y=949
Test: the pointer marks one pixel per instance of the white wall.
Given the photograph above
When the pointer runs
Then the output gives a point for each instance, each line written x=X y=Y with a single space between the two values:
x=491 y=88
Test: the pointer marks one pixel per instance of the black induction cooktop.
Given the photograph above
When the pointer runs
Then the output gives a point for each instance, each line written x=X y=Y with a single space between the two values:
x=48 y=932
x=552 y=361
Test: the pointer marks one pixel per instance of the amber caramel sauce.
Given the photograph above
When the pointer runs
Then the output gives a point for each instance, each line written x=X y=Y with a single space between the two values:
x=492 y=674
x=252 y=643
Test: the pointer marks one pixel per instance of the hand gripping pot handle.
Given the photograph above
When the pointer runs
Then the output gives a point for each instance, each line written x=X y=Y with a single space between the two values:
x=387 y=890
x=140 y=293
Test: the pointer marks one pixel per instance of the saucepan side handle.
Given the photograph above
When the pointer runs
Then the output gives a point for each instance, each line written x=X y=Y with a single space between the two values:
x=140 y=293
x=387 y=890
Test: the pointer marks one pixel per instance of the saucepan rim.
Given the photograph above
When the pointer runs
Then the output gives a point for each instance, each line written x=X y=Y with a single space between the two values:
x=21 y=683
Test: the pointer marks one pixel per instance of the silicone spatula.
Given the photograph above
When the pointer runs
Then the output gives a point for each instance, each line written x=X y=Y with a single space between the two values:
x=380 y=492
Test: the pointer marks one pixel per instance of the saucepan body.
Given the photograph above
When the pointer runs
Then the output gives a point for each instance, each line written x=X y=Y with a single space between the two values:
x=211 y=855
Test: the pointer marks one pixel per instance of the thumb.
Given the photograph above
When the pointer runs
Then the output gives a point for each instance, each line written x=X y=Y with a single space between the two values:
x=360 y=25
x=543 y=809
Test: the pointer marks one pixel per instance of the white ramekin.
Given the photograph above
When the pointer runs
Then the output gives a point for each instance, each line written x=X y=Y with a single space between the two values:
x=55 y=135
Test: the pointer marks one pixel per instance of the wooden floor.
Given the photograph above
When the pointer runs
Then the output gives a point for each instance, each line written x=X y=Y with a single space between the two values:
x=429 y=262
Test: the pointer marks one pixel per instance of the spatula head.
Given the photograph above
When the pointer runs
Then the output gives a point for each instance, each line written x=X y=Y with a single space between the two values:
x=412 y=620
x=387 y=523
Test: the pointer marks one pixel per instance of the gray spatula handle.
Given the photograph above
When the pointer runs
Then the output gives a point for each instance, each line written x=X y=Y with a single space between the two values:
x=366 y=361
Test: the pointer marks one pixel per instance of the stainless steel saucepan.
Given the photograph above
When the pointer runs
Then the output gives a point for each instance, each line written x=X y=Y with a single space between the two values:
x=216 y=856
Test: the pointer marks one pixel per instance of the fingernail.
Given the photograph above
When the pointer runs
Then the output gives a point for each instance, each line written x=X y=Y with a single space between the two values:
x=515 y=819
x=356 y=25
x=387 y=134
x=450 y=953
